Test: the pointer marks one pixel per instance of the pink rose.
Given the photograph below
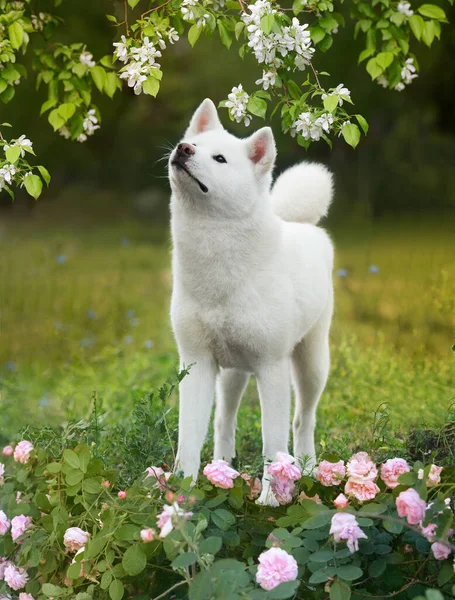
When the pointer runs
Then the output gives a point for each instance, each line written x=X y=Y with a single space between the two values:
x=121 y=495
x=75 y=539
x=220 y=474
x=148 y=535
x=19 y=525
x=2 y=472
x=23 y=451
x=283 y=490
x=434 y=476
x=361 y=468
x=8 y=451
x=428 y=531
x=15 y=577
x=275 y=566
x=24 y=596
x=344 y=527
x=4 y=523
x=341 y=501
x=169 y=517
x=314 y=498
x=160 y=476
x=440 y=551
x=3 y=564
x=331 y=473
x=285 y=467
x=392 y=469
x=410 y=505
x=255 y=485
x=363 y=491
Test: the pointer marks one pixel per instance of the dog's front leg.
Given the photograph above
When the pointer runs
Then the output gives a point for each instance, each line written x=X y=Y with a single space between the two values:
x=275 y=397
x=196 y=399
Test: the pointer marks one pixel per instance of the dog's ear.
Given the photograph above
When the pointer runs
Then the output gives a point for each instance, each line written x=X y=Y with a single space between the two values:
x=204 y=119
x=261 y=150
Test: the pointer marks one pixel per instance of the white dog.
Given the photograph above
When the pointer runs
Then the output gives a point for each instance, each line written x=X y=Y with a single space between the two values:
x=252 y=289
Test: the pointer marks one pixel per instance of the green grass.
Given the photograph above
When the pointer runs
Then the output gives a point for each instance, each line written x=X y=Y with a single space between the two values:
x=67 y=330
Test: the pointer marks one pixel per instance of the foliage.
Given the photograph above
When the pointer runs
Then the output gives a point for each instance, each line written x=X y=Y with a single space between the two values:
x=213 y=537
x=283 y=45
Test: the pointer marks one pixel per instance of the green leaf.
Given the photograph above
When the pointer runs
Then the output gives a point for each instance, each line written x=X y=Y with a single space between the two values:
x=257 y=106
x=373 y=68
x=184 y=560
x=284 y=590
x=384 y=59
x=322 y=556
x=432 y=11
x=331 y=102
x=223 y=519
x=226 y=37
x=55 y=119
x=416 y=23
x=317 y=521
x=373 y=508
x=377 y=567
x=92 y=485
x=194 y=34
x=211 y=545
x=13 y=153
x=111 y=18
x=3 y=85
x=127 y=533
x=84 y=456
x=151 y=86
x=319 y=577
x=134 y=560
x=428 y=33
x=349 y=572
x=99 y=77
x=16 y=35
x=110 y=84
x=340 y=591
x=106 y=580
x=116 y=589
x=74 y=571
x=267 y=23
x=201 y=587
x=133 y=4
x=34 y=187
x=326 y=43
x=74 y=477
x=69 y=456
x=317 y=34
x=351 y=134
x=446 y=573
x=294 y=91
x=50 y=590
x=239 y=27
x=328 y=23
x=10 y=74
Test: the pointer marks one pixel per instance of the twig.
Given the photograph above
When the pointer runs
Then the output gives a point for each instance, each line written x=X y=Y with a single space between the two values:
x=242 y=6
x=315 y=74
x=156 y=8
x=180 y=583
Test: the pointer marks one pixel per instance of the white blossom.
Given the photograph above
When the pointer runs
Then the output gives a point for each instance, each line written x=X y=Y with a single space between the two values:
x=6 y=174
x=405 y=8
x=340 y=90
x=408 y=72
x=382 y=80
x=134 y=73
x=172 y=35
x=65 y=132
x=81 y=138
x=87 y=59
x=399 y=86
x=310 y=127
x=22 y=142
x=121 y=50
x=90 y=125
x=237 y=105
x=268 y=79
x=39 y=20
x=186 y=9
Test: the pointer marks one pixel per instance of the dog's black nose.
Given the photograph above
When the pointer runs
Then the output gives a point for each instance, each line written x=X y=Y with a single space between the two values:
x=185 y=150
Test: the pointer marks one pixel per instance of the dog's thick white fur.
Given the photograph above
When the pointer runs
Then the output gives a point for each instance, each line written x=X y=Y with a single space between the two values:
x=252 y=289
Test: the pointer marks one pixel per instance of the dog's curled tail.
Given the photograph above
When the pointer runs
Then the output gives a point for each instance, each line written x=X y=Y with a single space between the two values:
x=303 y=193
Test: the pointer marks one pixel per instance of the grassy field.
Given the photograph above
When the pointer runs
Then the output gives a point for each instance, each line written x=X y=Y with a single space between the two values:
x=84 y=310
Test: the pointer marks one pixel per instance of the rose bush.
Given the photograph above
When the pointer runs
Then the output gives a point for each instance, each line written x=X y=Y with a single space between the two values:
x=65 y=534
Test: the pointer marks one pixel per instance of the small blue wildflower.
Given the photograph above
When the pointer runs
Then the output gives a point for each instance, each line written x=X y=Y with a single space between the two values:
x=373 y=269
x=342 y=273
x=44 y=401
x=10 y=365
x=58 y=325
x=125 y=242
x=86 y=342
x=135 y=322
x=61 y=259
x=128 y=339
x=130 y=313
x=148 y=344
x=91 y=314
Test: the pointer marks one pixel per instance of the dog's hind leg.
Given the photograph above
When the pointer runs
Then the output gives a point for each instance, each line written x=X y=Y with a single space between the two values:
x=310 y=369
x=231 y=384
x=275 y=396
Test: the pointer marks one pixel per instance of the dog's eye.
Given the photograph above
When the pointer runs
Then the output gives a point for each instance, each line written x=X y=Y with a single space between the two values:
x=219 y=158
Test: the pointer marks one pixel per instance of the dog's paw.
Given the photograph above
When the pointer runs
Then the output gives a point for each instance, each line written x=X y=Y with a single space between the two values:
x=267 y=498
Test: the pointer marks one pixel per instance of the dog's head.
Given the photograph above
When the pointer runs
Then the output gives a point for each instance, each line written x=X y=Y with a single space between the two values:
x=214 y=169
